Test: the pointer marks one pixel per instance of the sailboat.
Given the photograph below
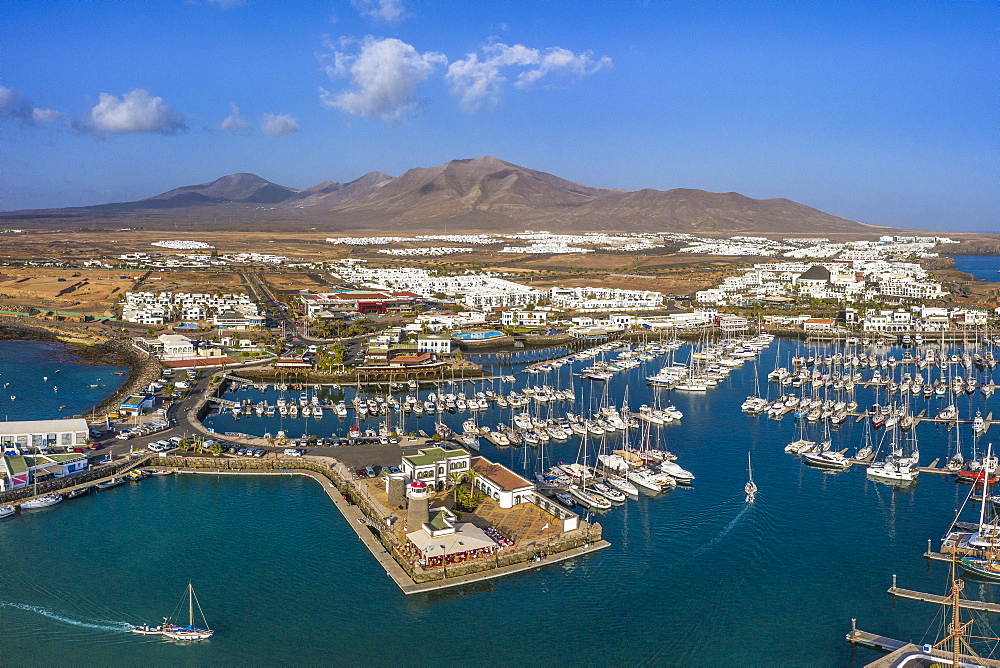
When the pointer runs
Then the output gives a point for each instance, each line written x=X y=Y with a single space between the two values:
x=750 y=488
x=580 y=492
x=175 y=632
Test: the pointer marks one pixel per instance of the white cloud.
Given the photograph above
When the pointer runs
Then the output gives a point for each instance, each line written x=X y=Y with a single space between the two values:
x=384 y=76
x=42 y=116
x=234 y=122
x=278 y=124
x=559 y=59
x=227 y=4
x=390 y=11
x=14 y=105
x=134 y=113
x=479 y=82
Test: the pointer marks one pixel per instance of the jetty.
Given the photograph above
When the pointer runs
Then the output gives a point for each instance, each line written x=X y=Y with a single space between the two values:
x=901 y=651
x=924 y=597
x=368 y=521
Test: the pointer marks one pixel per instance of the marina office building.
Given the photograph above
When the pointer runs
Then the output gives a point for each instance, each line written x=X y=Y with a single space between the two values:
x=18 y=469
x=15 y=436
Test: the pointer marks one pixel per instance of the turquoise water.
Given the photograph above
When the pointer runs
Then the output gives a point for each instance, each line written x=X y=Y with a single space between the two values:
x=984 y=267
x=694 y=577
x=48 y=381
x=476 y=336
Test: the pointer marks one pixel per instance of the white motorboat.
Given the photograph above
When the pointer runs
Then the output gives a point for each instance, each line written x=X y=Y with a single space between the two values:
x=892 y=472
x=643 y=480
x=7 y=511
x=828 y=459
x=676 y=472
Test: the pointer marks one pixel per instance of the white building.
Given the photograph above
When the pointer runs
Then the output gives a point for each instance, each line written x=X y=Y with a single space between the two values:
x=434 y=465
x=17 y=435
x=604 y=299
x=434 y=344
x=501 y=484
x=517 y=318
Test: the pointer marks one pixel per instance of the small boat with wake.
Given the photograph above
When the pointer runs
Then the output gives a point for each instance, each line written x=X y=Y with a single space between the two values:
x=750 y=489
x=175 y=631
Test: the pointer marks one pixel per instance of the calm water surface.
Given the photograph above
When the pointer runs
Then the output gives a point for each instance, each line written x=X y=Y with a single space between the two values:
x=44 y=381
x=984 y=267
x=694 y=577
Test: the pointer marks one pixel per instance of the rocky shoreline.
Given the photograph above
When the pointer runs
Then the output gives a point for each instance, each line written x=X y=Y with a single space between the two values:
x=92 y=347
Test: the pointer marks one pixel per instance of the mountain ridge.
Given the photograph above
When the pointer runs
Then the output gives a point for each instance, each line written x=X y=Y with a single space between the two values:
x=484 y=193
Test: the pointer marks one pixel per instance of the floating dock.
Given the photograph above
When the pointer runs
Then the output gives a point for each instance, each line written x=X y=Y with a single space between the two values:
x=923 y=597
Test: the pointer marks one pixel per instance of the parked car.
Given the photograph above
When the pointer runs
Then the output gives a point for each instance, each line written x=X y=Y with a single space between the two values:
x=123 y=435
x=292 y=452
x=370 y=472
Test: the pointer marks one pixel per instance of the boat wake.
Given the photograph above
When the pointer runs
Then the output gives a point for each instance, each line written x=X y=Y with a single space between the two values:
x=101 y=625
x=726 y=530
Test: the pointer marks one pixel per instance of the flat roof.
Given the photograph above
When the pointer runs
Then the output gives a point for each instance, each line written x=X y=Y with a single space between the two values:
x=467 y=537
x=434 y=455
x=68 y=457
x=15 y=464
x=43 y=426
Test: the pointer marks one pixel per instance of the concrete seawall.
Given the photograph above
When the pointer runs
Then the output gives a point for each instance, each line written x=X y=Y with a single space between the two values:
x=366 y=522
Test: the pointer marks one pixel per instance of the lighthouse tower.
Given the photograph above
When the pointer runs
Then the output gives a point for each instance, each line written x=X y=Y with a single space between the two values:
x=417 y=496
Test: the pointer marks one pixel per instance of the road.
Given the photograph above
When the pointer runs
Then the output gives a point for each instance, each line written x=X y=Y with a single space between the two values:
x=184 y=423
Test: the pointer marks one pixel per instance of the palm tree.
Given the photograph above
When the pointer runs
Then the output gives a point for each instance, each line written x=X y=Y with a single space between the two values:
x=456 y=478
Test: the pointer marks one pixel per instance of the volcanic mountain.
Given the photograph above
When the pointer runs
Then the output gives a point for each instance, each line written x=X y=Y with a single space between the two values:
x=480 y=194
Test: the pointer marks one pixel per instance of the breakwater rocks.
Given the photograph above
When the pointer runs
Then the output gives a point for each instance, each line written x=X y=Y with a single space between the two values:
x=145 y=369
x=546 y=339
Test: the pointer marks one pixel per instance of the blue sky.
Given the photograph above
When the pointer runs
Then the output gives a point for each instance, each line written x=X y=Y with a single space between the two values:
x=883 y=112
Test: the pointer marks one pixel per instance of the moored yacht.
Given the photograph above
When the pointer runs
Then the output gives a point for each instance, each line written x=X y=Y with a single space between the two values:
x=43 y=501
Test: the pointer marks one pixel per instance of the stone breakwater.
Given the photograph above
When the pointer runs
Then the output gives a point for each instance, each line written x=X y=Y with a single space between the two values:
x=372 y=514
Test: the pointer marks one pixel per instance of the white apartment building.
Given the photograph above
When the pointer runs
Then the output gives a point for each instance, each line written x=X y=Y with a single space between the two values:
x=517 y=318
x=156 y=308
x=603 y=299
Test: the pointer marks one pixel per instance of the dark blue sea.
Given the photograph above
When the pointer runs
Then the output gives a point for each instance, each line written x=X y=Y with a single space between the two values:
x=46 y=381
x=693 y=577
x=984 y=267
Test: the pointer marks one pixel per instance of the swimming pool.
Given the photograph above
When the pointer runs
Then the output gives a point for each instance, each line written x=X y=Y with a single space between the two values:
x=477 y=336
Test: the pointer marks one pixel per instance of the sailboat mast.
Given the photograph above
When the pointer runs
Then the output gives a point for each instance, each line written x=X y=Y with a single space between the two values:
x=956 y=620
x=190 y=605
x=986 y=485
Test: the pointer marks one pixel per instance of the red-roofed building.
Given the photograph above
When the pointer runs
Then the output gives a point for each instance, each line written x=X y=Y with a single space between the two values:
x=501 y=484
